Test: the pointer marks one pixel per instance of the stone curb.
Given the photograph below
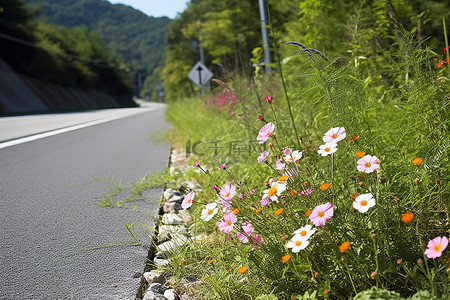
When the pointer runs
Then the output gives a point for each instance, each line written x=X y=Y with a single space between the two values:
x=170 y=233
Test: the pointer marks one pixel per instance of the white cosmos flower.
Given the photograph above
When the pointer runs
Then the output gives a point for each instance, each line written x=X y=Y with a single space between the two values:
x=209 y=212
x=305 y=232
x=276 y=188
x=327 y=149
x=297 y=243
x=363 y=202
x=294 y=156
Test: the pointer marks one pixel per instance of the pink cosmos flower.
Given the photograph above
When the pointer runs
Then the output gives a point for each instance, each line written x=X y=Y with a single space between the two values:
x=227 y=223
x=436 y=246
x=242 y=238
x=268 y=98
x=247 y=227
x=263 y=156
x=258 y=238
x=306 y=192
x=222 y=166
x=368 y=163
x=196 y=164
x=228 y=192
x=265 y=132
x=188 y=200
x=327 y=149
x=252 y=192
x=287 y=151
x=280 y=165
x=264 y=201
x=321 y=214
x=334 y=135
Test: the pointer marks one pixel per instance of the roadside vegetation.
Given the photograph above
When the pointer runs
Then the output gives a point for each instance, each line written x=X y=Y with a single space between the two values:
x=329 y=182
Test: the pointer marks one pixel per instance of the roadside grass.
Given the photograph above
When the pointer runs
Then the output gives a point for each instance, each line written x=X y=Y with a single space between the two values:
x=403 y=126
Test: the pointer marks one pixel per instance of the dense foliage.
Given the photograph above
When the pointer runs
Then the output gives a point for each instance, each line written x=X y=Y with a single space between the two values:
x=360 y=31
x=70 y=57
x=138 y=38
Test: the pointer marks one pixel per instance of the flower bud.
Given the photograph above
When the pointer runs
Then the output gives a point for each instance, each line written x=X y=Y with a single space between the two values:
x=419 y=261
x=373 y=274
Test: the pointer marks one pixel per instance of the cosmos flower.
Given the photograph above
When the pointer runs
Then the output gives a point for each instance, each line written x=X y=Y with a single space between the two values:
x=227 y=223
x=275 y=191
x=363 y=202
x=188 y=200
x=368 y=163
x=209 y=212
x=321 y=214
x=334 y=135
x=305 y=231
x=436 y=246
x=227 y=194
x=263 y=156
x=265 y=132
x=327 y=149
x=297 y=243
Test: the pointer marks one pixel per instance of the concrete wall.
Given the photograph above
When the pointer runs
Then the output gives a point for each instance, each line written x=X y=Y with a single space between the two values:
x=20 y=94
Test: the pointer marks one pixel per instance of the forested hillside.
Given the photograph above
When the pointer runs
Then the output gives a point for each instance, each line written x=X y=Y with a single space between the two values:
x=138 y=38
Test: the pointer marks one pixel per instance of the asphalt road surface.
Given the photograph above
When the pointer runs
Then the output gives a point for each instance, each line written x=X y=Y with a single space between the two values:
x=49 y=190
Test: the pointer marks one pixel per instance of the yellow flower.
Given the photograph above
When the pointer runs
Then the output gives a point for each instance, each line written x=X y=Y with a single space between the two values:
x=211 y=261
x=417 y=161
x=242 y=270
x=360 y=154
x=278 y=211
x=324 y=186
x=407 y=217
x=344 y=247
x=286 y=258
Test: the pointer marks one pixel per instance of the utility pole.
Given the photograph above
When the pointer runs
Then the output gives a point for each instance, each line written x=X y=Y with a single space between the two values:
x=265 y=36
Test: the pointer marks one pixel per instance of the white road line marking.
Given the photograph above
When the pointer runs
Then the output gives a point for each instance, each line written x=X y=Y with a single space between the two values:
x=71 y=128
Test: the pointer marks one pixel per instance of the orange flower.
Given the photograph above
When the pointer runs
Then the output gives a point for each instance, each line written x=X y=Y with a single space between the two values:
x=324 y=186
x=308 y=213
x=360 y=154
x=286 y=258
x=417 y=161
x=270 y=145
x=305 y=183
x=344 y=247
x=228 y=270
x=354 y=196
x=211 y=261
x=237 y=210
x=292 y=192
x=354 y=138
x=407 y=217
x=242 y=270
x=181 y=263
x=283 y=178
x=278 y=211
x=258 y=210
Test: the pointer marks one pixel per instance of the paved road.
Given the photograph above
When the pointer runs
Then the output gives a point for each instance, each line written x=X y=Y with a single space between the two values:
x=48 y=211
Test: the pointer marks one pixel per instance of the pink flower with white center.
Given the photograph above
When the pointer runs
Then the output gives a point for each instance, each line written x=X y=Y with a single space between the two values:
x=228 y=192
x=263 y=156
x=275 y=191
x=293 y=156
x=209 y=212
x=363 y=202
x=321 y=214
x=334 y=135
x=188 y=200
x=227 y=223
x=297 y=243
x=327 y=149
x=368 y=163
x=306 y=231
x=436 y=246
x=265 y=132
x=247 y=227
x=280 y=165
x=264 y=201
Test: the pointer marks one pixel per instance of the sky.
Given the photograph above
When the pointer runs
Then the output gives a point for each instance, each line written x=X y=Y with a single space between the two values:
x=156 y=8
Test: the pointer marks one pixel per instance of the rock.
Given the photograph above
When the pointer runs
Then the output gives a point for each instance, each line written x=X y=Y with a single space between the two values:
x=176 y=198
x=170 y=295
x=167 y=231
x=168 y=193
x=150 y=295
x=184 y=297
x=159 y=254
x=185 y=216
x=157 y=288
x=171 y=219
x=154 y=276
x=176 y=241
x=159 y=262
x=171 y=207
